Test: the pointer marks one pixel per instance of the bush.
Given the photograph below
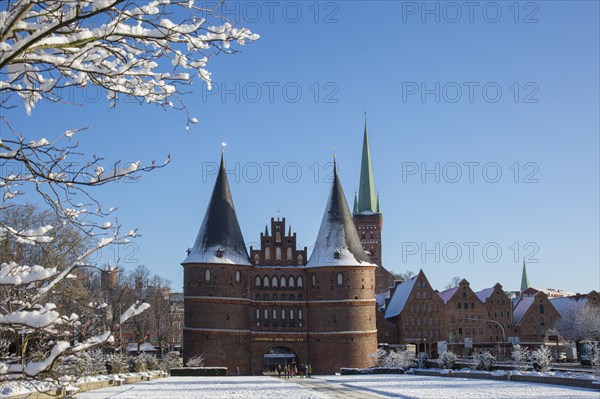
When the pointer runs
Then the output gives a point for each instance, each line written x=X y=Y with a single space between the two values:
x=422 y=360
x=542 y=359
x=521 y=358
x=368 y=371
x=92 y=362
x=394 y=359
x=195 y=361
x=593 y=348
x=484 y=361
x=170 y=361
x=199 y=372
x=117 y=363
x=447 y=360
x=145 y=362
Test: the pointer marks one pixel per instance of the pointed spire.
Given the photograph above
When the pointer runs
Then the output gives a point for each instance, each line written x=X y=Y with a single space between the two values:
x=378 y=204
x=266 y=229
x=337 y=242
x=355 y=206
x=524 y=278
x=220 y=238
x=290 y=230
x=366 y=191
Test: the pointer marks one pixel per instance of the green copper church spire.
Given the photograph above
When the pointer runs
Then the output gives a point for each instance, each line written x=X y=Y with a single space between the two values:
x=524 y=279
x=355 y=206
x=367 y=200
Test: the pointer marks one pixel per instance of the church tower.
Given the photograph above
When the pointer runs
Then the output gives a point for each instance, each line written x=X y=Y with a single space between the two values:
x=368 y=218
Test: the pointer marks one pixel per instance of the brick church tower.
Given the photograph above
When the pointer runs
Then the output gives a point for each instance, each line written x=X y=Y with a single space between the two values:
x=368 y=218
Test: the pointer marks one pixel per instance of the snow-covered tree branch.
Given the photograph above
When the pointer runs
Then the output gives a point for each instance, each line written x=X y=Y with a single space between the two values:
x=146 y=50
x=122 y=46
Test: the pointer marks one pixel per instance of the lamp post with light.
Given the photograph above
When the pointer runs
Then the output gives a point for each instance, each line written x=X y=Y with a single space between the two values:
x=501 y=327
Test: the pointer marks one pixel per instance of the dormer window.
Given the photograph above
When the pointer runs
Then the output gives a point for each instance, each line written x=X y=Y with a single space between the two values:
x=336 y=254
x=219 y=253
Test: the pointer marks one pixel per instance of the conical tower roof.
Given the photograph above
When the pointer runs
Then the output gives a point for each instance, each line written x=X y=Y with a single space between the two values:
x=367 y=200
x=338 y=243
x=524 y=279
x=220 y=238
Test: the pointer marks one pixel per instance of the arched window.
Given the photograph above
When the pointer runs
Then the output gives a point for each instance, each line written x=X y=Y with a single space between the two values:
x=266 y=296
x=291 y=314
x=289 y=254
x=266 y=282
x=291 y=297
x=257 y=281
x=300 y=260
x=541 y=309
x=363 y=235
x=266 y=313
x=339 y=279
x=291 y=282
x=282 y=314
x=313 y=280
x=299 y=282
x=274 y=297
x=274 y=314
x=238 y=276
x=371 y=235
x=257 y=314
x=300 y=314
x=278 y=255
x=277 y=237
x=207 y=276
x=282 y=282
x=274 y=282
x=268 y=255
x=257 y=259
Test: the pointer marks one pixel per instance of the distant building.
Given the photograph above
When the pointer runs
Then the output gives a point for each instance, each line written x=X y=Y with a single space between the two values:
x=463 y=312
x=176 y=320
x=498 y=308
x=417 y=312
x=533 y=317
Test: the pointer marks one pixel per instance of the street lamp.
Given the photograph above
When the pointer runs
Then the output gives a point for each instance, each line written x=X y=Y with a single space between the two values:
x=502 y=328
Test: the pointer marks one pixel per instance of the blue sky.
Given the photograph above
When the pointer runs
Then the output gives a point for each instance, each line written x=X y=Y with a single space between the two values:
x=461 y=93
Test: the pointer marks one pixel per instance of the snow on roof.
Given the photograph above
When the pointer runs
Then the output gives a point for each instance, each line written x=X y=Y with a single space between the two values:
x=566 y=305
x=446 y=295
x=380 y=298
x=220 y=238
x=484 y=294
x=144 y=347
x=176 y=297
x=400 y=297
x=521 y=308
x=338 y=243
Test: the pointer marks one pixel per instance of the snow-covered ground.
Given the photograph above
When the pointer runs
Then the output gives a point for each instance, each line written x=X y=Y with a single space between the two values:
x=206 y=388
x=421 y=387
x=383 y=386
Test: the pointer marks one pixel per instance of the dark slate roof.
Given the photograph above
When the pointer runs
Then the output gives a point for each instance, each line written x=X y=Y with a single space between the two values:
x=220 y=229
x=338 y=234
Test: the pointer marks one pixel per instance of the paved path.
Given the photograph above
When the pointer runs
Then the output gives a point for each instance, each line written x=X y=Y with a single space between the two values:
x=335 y=390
